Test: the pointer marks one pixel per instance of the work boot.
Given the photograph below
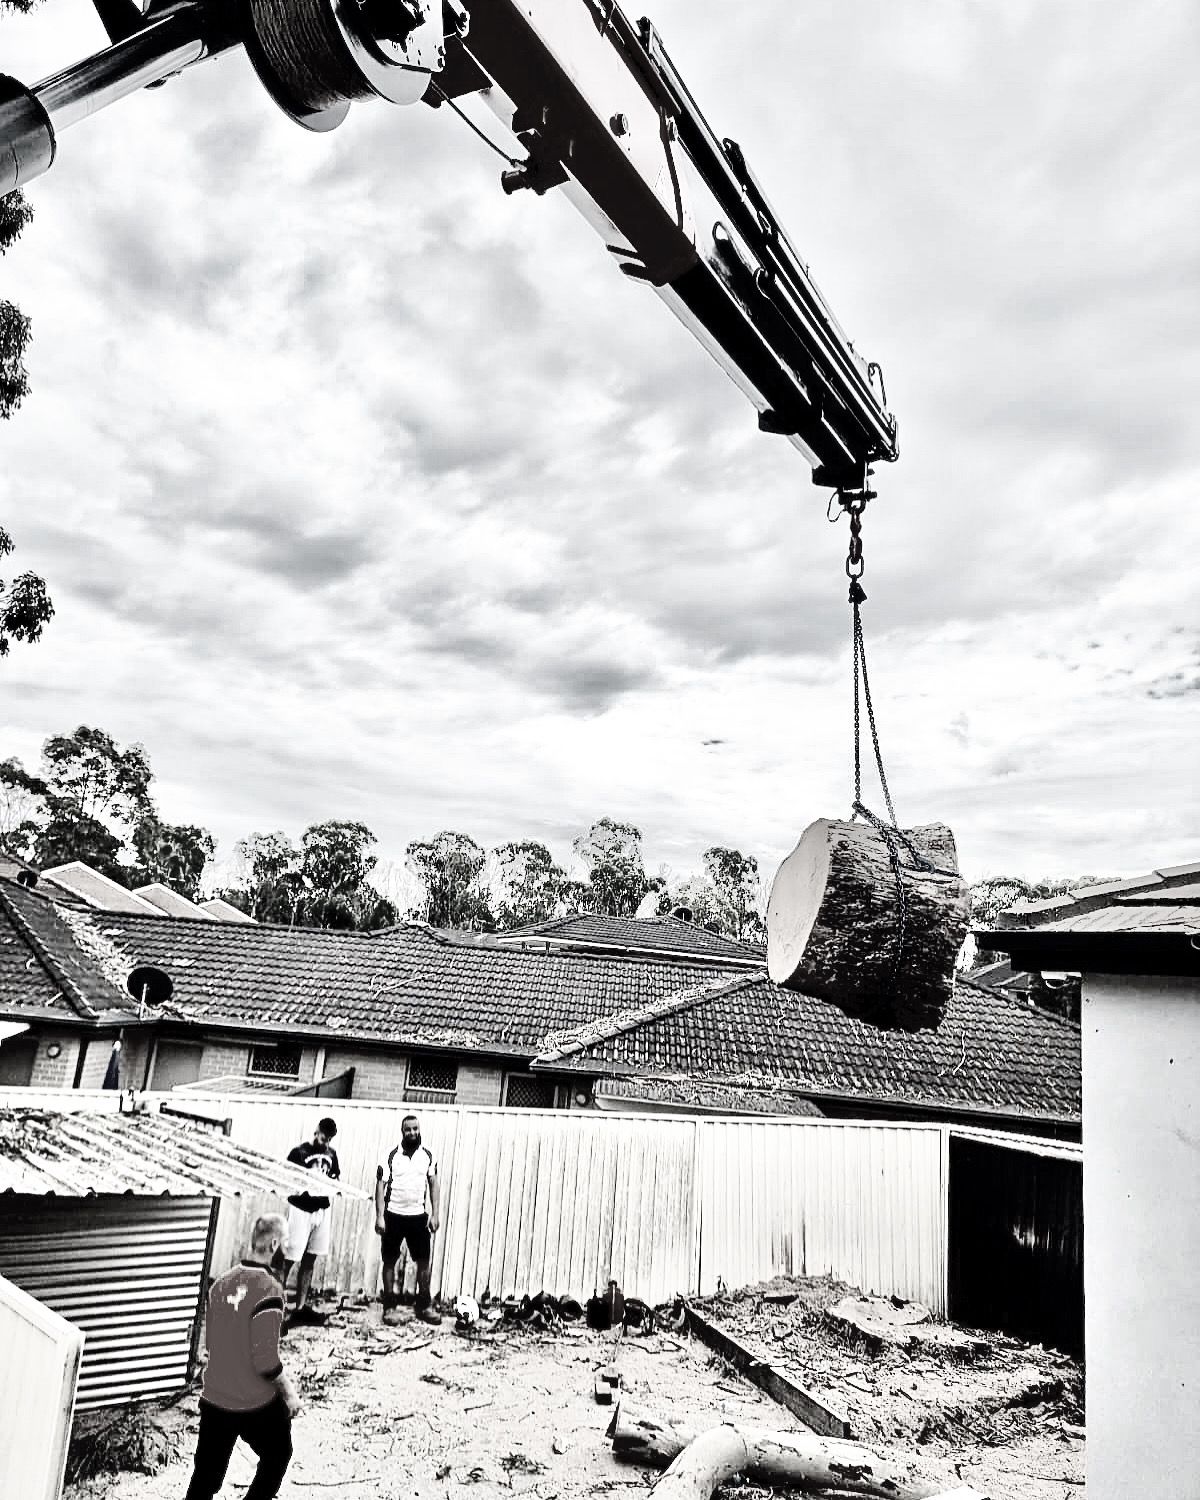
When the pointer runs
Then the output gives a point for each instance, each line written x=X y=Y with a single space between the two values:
x=391 y=1311
x=429 y=1315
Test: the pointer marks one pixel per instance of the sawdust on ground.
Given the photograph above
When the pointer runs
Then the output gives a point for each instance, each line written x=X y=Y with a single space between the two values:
x=1008 y=1419
x=414 y=1413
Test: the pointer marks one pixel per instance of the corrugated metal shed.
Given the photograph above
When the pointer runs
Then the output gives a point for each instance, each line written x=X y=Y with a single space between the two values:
x=145 y=1155
x=128 y=1272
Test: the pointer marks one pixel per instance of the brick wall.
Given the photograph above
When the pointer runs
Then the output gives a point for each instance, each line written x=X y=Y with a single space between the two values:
x=382 y=1076
x=377 y=1075
x=55 y=1072
x=478 y=1083
x=221 y=1057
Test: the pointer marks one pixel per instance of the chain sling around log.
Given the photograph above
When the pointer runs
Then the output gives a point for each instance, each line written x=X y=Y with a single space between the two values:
x=864 y=913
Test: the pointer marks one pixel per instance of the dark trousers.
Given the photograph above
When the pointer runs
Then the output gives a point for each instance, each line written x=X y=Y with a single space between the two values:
x=267 y=1430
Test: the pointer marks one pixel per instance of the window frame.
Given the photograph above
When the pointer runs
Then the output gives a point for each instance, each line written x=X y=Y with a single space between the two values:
x=253 y=1072
x=526 y=1077
x=424 y=1093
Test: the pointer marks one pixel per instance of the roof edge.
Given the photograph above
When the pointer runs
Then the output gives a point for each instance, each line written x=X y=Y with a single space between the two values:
x=1140 y=951
x=775 y=1083
x=75 y=996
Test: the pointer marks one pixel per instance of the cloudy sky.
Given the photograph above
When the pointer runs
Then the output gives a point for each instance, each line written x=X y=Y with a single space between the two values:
x=364 y=491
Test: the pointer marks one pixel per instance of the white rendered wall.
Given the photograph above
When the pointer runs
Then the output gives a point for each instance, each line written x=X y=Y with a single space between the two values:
x=1141 y=1208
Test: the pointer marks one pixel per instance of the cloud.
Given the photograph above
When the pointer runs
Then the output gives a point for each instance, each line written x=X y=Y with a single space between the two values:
x=364 y=490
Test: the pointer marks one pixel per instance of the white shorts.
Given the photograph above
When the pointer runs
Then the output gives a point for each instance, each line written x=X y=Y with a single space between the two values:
x=306 y=1233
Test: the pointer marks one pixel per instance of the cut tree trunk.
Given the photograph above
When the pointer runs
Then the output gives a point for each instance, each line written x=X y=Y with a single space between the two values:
x=697 y=1463
x=710 y=1459
x=879 y=941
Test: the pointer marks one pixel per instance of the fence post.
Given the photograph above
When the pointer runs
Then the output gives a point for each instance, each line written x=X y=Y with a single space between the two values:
x=697 y=1210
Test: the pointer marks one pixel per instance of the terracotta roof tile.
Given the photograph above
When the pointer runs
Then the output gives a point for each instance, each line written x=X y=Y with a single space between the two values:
x=990 y=1053
x=44 y=968
x=651 y=934
x=404 y=985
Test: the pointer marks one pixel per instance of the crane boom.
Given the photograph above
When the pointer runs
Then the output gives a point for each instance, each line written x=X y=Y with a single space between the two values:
x=598 y=111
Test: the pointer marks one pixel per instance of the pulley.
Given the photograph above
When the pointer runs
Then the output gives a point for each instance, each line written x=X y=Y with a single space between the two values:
x=315 y=57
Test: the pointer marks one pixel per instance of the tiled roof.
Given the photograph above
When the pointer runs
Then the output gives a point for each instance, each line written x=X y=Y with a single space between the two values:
x=991 y=1053
x=1130 y=916
x=634 y=1015
x=716 y=1098
x=404 y=985
x=12 y=865
x=46 y=970
x=1178 y=882
x=1149 y=924
x=82 y=1153
x=651 y=934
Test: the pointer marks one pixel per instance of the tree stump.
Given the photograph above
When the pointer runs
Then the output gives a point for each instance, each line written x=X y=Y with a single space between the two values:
x=845 y=924
x=697 y=1463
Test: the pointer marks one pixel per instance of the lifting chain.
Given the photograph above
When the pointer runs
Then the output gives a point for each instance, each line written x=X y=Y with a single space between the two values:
x=854 y=502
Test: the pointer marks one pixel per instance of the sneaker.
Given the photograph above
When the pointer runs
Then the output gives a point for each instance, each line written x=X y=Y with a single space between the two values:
x=429 y=1315
x=391 y=1317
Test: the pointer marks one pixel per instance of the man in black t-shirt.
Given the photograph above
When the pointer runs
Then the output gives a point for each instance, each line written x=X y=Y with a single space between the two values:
x=308 y=1218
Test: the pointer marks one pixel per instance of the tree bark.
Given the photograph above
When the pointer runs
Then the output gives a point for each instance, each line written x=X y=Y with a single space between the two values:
x=698 y=1463
x=877 y=939
x=709 y=1460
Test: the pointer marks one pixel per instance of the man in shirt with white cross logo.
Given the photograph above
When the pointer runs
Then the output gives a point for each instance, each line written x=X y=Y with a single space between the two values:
x=407 y=1211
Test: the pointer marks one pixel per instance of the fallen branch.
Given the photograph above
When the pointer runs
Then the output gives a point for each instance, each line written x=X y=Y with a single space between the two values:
x=803 y=1459
x=333 y=1484
x=1047 y=1478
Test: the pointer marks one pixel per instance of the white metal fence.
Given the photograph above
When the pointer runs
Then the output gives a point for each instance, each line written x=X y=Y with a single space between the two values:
x=42 y=1351
x=561 y=1200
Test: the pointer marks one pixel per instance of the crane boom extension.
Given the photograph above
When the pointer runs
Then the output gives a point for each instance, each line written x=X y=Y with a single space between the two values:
x=599 y=112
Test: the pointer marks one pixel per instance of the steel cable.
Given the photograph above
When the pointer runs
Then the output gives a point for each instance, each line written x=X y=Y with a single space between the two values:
x=306 y=51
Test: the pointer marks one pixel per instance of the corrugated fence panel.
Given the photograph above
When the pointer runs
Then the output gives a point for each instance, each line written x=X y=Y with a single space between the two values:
x=1016 y=1241
x=531 y=1199
x=861 y=1202
x=561 y=1200
x=127 y=1271
x=37 y=1394
x=366 y=1134
x=545 y=1200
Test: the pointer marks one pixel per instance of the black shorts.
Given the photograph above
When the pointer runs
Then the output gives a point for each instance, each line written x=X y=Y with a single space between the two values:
x=411 y=1229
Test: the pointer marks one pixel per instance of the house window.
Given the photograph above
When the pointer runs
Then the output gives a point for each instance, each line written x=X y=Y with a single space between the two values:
x=522 y=1091
x=275 y=1062
x=431 y=1080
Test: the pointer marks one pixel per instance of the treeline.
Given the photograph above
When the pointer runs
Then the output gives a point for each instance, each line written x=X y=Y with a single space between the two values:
x=90 y=799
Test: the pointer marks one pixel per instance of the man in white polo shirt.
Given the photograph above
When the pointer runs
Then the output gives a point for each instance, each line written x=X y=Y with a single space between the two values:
x=407 y=1211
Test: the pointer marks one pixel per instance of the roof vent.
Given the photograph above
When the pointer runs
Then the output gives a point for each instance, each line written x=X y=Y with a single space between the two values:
x=27 y=878
x=682 y=913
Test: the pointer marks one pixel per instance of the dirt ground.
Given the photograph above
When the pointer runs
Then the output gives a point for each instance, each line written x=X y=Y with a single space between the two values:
x=413 y=1413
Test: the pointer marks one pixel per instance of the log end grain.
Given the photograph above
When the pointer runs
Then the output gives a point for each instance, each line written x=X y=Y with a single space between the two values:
x=875 y=935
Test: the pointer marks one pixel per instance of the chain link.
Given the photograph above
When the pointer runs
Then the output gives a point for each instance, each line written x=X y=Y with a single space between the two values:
x=894 y=838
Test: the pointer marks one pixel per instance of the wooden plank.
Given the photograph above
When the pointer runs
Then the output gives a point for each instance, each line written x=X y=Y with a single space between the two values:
x=815 y=1411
